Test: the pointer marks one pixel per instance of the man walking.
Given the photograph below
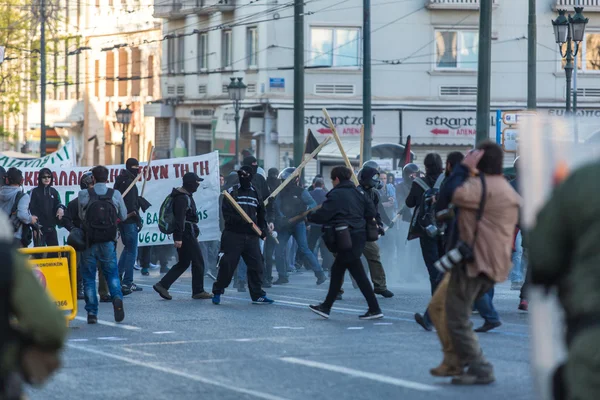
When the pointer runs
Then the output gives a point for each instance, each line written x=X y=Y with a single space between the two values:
x=346 y=205
x=15 y=204
x=45 y=203
x=185 y=240
x=99 y=209
x=240 y=240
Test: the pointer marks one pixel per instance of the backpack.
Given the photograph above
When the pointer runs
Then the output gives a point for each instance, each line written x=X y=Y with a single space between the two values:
x=166 y=216
x=100 y=219
x=26 y=233
x=424 y=216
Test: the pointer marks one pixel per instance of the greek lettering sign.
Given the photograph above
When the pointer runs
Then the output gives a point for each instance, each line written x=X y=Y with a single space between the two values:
x=53 y=275
x=63 y=158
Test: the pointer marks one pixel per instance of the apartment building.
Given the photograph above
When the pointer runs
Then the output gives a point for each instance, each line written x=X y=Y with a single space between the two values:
x=424 y=72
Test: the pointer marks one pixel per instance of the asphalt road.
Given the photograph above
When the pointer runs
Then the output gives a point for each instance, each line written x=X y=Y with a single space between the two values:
x=191 y=349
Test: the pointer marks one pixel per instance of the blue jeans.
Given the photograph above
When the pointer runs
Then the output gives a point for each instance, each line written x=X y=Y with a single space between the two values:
x=486 y=308
x=516 y=274
x=299 y=233
x=129 y=236
x=105 y=255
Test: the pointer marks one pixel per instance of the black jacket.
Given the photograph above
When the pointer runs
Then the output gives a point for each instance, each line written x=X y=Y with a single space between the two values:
x=251 y=203
x=416 y=191
x=45 y=202
x=131 y=199
x=71 y=218
x=345 y=204
x=260 y=184
x=185 y=213
x=381 y=216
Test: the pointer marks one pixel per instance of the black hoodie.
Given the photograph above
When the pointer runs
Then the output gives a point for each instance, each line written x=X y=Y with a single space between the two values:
x=45 y=202
x=131 y=199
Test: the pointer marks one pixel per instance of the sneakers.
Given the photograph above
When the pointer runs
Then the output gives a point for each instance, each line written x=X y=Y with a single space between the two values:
x=105 y=298
x=371 y=315
x=145 y=272
x=92 y=319
x=321 y=310
x=162 y=291
x=216 y=300
x=419 y=319
x=524 y=305
x=202 y=296
x=281 y=281
x=126 y=290
x=321 y=277
x=385 y=293
x=488 y=326
x=263 y=300
x=119 y=310
x=154 y=266
x=135 y=288
x=477 y=374
x=136 y=266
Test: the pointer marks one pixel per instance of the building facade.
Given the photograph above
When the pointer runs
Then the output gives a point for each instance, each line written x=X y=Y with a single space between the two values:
x=424 y=72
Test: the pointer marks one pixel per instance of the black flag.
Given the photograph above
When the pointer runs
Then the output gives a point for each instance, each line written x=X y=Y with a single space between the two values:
x=311 y=143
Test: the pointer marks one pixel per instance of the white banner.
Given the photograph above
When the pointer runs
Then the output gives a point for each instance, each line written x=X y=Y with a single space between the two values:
x=63 y=158
x=166 y=175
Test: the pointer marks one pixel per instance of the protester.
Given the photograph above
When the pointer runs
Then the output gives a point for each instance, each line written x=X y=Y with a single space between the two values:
x=487 y=212
x=269 y=250
x=240 y=240
x=45 y=204
x=15 y=204
x=29 y=351
x=258 y=181
x=185 y=240
x=291 y=202
x=315 y=234
x=99 y=209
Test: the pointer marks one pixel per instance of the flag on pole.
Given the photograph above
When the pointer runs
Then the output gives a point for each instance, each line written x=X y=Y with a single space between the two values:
x=406 y=155
x=311 y=143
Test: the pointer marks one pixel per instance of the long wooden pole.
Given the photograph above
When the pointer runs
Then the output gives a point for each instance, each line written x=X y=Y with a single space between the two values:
x=298 y=170
x=298 y=217
x=339 y=143
x=149 y=171
x=132 y=185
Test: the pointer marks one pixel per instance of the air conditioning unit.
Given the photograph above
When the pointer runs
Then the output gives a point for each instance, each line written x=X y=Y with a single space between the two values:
x=446 y=91
x=334 y=89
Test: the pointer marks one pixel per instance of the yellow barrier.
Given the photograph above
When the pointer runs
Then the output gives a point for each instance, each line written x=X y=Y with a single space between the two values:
x=52 y=273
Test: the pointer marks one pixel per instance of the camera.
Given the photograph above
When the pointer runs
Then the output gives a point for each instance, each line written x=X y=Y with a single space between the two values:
x=460 y=254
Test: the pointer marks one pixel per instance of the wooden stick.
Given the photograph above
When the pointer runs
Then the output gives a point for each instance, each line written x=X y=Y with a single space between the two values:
x=242 y=213
x=362 y=145
x=149 y=171
x=339 y=143
x=302 y=215
x=298 y=170
x=132 y=185
x=393 y=220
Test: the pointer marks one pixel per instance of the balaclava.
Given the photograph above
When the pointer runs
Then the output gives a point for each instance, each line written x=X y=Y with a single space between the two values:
x=130 y=164
x=245 y=176
x=248 y=161
x=191 y=182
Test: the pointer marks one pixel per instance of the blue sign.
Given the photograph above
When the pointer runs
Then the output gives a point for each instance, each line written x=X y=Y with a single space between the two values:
x=277 y=84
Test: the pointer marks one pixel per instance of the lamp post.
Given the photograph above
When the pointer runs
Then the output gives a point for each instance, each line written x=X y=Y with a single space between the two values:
x=123 y=118
x=568 y=30
x=237 y=92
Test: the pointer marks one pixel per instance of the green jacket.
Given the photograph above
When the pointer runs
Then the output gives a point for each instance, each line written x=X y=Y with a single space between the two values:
x=37 y=317
x=564 y=250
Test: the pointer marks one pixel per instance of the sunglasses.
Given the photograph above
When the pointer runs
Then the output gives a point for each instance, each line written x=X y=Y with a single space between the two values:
x=46 y=177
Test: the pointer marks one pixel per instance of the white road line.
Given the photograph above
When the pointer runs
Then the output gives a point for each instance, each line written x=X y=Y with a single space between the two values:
x=355 y=328
x=383 y=323
x=163 y=332
x=78 y=340
x=113 y=324
x=222 y=385
x=289 y=327
x=361 y=374
x=111 y=338
x=143 y=353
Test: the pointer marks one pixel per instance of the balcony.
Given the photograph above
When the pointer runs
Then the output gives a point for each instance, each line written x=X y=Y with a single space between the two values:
x=463 y=4
x=169 y=9
x=588 y=5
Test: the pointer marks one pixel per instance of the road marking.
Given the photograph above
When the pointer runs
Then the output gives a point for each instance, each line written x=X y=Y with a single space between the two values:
x=163 y=332
x=361 y=374
x=113 y=324
x=111 y=338
x=383 y=323
x=355 y=328
x=244 y=340
x=78 y=340
x=289 y=327
x=143 y=353
x=197 y=378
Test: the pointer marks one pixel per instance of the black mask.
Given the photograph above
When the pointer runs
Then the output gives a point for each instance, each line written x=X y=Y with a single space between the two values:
x=254 y=169
x=191 y=187
x=130 y=164
x=245 y=176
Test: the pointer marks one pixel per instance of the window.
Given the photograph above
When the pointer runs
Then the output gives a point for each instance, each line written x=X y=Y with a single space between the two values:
x=202 y=51
x=226 y=49
x=334 y=47
x=181 y=54
x=171 y=55
x=252 y=47
x=588 y=58
x=456 y=49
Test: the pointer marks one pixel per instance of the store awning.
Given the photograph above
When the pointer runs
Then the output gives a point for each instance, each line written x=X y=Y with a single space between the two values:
x=382 y=150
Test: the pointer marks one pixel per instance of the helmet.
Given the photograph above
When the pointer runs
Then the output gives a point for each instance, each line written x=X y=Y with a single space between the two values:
x=408 y=170
x=372 y=164
x=368 y=177
x=285 y=173
x=86 y=180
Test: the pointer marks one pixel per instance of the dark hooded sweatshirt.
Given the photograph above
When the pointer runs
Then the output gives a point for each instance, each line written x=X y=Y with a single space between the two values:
x=131 y=199
x=45 y=201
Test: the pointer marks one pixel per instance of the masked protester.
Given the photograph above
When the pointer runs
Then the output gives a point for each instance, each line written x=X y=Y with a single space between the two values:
x=128 y=227
x=269 y=251
x=258 y=181
x=240 y=240
x=45 y=203
x=185 y=239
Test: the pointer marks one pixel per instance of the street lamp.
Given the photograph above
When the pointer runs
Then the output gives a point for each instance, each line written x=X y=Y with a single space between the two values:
x=123 y=118
x=237 y=92
x=569 y=30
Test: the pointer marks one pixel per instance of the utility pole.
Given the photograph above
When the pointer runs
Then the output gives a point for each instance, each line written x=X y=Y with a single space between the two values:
x=484 y=71
x=532 y=58
x=298 y=81
x=367 y=119
x=43 y=77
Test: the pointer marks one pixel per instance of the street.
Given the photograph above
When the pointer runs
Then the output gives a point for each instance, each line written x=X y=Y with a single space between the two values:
x=192 y=349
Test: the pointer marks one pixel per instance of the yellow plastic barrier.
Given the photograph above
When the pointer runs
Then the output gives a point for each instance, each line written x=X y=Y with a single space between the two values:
x=56 y=276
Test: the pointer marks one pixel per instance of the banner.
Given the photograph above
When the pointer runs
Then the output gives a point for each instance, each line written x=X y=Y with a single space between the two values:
x=63 y=158
x=165 y=175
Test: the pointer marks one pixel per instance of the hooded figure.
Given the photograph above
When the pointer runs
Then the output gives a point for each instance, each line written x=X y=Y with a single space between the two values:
x=45 y=203
x=131 y=171
x=272 y=180
x=259 y=181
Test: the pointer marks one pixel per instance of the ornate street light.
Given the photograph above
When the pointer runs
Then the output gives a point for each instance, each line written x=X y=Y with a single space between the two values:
x=123 y=118
x=237 y=93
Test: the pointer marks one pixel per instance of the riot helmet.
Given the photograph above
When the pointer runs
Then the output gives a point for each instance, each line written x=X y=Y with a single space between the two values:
x=372 y=164
x=368 y=177
x=409 y=171
x=285 y=173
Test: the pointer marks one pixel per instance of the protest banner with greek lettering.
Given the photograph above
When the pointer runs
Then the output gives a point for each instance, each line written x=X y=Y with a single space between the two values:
x=165 y=175
x=63 y=158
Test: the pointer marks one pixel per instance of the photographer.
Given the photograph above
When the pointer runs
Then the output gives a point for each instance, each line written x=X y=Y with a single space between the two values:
x=487 y=209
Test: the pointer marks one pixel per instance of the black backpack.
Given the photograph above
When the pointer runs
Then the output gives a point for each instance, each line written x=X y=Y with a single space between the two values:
x=100 y=219
x=26 y=233
x=424 y=215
